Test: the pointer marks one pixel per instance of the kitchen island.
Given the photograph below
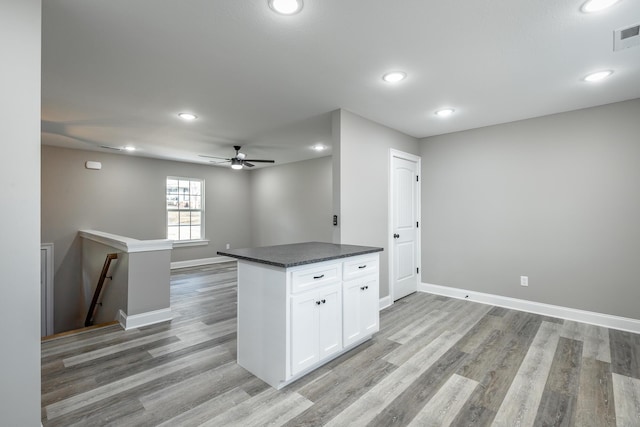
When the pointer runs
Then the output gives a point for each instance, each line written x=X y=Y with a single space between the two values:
x=303 y=304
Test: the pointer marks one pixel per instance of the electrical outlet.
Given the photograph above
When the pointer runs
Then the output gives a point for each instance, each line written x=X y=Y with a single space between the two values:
x=228 y=246
x=524 y=280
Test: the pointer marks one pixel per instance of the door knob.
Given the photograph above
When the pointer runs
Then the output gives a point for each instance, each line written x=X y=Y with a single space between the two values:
x=396 y=235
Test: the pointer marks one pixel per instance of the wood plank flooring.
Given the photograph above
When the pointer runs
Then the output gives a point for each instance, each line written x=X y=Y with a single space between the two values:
x=435 y=362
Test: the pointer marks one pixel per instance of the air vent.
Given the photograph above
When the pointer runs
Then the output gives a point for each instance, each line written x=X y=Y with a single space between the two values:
x=626 y=37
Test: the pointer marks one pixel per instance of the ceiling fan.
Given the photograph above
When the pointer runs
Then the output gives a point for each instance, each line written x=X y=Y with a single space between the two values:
x=239 y=161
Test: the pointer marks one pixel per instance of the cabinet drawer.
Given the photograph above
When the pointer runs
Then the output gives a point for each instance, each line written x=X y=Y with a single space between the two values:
x=360 y=267
x=308 y=278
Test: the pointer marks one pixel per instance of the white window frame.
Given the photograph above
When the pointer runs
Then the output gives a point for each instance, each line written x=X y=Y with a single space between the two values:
x=192 y=242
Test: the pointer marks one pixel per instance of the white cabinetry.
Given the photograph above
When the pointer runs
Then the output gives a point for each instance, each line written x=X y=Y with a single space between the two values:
x=316 y=326
x=293 y=320
x=360 y=299
x=360 y=318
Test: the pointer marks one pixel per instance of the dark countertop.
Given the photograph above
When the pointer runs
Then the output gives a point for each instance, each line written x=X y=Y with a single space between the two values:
x=298 y=253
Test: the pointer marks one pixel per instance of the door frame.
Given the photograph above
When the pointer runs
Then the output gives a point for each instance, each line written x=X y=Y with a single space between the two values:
x=418 y=160
x=47 y=287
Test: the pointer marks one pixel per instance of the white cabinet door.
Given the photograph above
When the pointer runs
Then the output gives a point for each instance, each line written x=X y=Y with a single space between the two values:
x=305 y=321
x=330 y=313
x=351 y=311
x=370 y=311
x=316 y=326
x=360 y=309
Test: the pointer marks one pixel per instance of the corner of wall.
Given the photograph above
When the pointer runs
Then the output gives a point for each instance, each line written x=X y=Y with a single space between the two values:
x=336 y=120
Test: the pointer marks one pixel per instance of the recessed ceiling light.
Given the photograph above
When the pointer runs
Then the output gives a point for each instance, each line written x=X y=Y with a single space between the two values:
x=286 y=7
x=598 y=76
x=597 y=5
x=187 y=116
x=444 y=112
x=394 y=76
x=319 y=147
x=129 y=148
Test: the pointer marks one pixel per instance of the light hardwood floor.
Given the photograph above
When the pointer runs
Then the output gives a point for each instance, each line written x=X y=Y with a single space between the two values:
x=435 y=362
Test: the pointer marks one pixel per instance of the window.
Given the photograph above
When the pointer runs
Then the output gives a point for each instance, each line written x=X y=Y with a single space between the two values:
x=185 y=209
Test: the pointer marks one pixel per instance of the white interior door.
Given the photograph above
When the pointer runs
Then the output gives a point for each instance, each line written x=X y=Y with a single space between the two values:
x=405 y=211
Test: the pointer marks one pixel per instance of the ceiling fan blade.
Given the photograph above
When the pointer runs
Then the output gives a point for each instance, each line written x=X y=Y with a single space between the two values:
x=260 y=161
x=213 y=157
x=247 y=164
x=218 y=163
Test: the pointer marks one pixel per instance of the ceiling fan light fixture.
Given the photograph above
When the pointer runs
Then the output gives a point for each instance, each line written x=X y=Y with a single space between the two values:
x=187 y=116
x=236 y=164
x=592 y=6
x=444 y=112
x=129 y=148
x=394 y=76
x=597 y=76
x=286 y=7
x=319 y=147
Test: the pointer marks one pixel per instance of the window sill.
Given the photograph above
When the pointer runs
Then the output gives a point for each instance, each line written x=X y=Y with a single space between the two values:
x=186 y=243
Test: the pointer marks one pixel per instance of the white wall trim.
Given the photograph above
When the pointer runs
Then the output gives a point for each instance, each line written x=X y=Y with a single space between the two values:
x=188 y=243
x=143 y=319
x=584 y=316
x=126 y=244
x=385 y=302
x=201 y=261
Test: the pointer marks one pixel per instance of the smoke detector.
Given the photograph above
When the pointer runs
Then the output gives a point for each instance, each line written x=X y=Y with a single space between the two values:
x=626 y=37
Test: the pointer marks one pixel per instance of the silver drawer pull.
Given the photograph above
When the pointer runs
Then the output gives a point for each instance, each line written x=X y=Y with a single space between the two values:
x=363 y=266
x=318 y=277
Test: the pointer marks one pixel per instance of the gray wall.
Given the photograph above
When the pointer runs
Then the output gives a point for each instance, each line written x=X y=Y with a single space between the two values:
x=148 y=282
x=555 y=198
x=115 y=299
x=282 y=204
x=127 y=197
x=292 y=203
x=139 y=281
x=362 y=169
x=20 y=216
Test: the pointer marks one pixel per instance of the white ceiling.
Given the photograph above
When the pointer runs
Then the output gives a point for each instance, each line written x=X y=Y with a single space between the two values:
x=117 y=72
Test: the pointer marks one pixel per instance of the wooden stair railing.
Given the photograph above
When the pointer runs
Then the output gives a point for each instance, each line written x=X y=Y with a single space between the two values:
x=96 y=295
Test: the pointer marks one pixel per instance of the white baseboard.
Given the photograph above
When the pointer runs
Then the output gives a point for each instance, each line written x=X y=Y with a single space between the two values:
x=201 y=261
x=385 y=302
x=143 y=319
x=593 y=318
